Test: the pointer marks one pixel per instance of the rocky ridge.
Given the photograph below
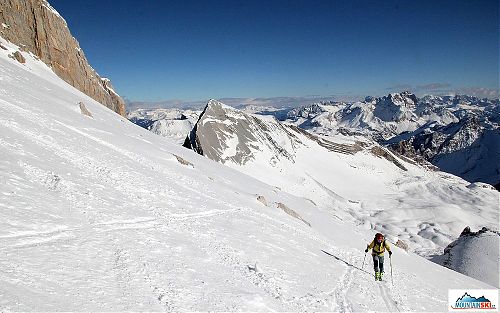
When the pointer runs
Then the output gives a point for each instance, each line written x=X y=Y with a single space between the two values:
x=38 y=28
x=225 y=134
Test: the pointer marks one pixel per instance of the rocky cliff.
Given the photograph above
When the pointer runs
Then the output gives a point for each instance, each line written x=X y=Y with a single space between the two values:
x=36 y=27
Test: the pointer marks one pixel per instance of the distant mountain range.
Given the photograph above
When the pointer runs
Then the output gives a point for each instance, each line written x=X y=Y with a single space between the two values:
x=457 y=134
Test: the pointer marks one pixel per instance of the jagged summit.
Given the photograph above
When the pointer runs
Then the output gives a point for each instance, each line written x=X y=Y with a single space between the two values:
x=213 y=102
x=224 y=134
x=395 y=107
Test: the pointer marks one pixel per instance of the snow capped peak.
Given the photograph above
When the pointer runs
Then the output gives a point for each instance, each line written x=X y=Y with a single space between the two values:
x=404 y=98
x=306 y=111
x=215 y=103
x=395 y=107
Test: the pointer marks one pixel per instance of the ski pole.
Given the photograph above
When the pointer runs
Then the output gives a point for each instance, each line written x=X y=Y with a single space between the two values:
x=363 y=266
x=390 y=259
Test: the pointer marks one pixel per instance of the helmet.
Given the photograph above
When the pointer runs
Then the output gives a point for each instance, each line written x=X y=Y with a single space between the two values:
x=379 y=237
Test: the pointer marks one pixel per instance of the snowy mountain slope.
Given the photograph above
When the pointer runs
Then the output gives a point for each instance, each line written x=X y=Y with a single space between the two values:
x=98 y=214
x=465 y=148
x=170 y=123
x=459 y=134
x=461 y=255
x=350 y=177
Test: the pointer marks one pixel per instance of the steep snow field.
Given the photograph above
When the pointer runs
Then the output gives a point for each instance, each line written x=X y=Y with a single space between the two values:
x=98 y=214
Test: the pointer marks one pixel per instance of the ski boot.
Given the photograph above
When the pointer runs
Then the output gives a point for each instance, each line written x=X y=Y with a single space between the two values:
x=380 y=276
x=377 y=276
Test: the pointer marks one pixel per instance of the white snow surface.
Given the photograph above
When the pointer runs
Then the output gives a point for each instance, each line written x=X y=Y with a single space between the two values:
x=462 y=255
x=97 y=214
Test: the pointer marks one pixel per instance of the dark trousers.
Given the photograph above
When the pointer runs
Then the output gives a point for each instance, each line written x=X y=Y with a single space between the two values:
x=378 y=263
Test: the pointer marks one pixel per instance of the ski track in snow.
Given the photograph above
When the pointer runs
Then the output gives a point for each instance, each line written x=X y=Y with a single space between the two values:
x=389 y=302
x=341 y=291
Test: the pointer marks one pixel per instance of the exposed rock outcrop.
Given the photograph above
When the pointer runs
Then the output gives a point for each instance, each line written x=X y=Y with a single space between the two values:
x=36 y=27
x=84 y=110
x=292 y=213
x=183 y=161
x=381 y=152
x=225 y=134
x=262 y=200
x=19 y=57
x=401 y=244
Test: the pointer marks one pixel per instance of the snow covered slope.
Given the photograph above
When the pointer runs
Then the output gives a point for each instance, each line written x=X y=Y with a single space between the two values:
x=462 y=255
x=350 y=177
x=98 y=214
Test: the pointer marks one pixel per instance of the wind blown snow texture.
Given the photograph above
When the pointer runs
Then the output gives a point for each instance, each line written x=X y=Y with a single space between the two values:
x=98 y=214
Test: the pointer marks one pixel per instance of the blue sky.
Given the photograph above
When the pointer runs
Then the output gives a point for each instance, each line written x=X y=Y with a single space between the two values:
x=195 y=50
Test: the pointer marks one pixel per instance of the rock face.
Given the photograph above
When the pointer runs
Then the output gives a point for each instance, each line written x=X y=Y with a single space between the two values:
x=395 y=107
x=224 y=134
x=468 y=148
x=36 y=27
x=19 y=57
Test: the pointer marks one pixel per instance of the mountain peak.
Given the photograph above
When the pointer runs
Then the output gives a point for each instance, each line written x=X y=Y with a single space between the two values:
x=404 y=98
x=218 y=104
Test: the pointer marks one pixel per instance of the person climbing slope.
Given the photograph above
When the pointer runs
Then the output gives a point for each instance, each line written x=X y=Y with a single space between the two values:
x=379 y=245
